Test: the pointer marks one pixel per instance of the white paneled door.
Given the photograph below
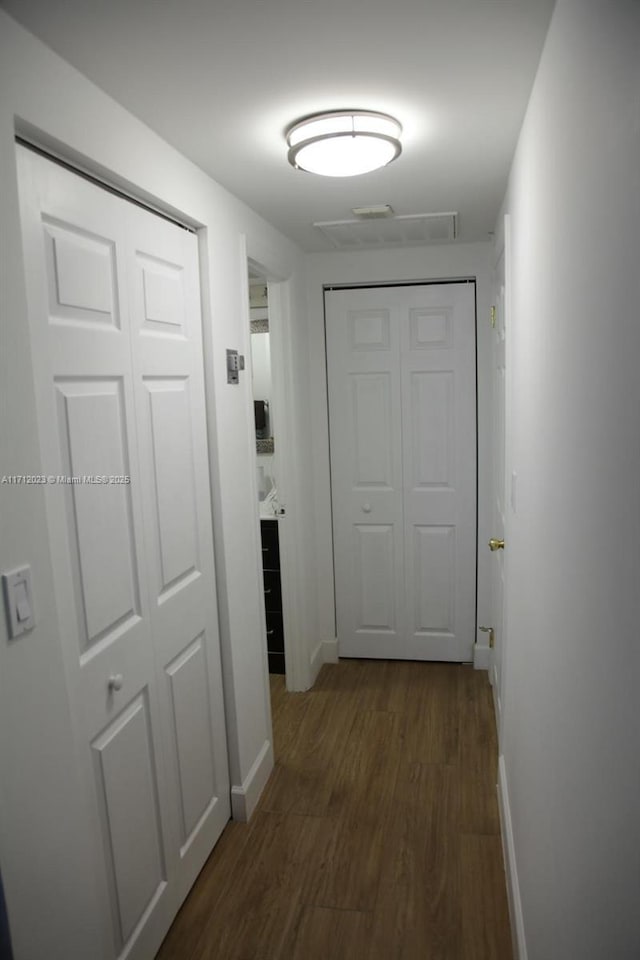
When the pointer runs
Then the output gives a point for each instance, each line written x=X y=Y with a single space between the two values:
x=114 y=310
x=402 y=408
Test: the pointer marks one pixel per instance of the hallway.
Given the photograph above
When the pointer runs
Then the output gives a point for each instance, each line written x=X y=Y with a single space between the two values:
x=377 y=835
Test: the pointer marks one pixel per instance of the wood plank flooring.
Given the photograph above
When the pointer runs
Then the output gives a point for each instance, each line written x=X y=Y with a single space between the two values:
x=377 y=835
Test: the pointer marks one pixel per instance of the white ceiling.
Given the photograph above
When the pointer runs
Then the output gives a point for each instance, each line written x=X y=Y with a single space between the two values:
x=222 y=79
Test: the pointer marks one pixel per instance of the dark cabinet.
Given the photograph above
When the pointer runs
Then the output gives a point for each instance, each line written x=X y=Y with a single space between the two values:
x=272 y=595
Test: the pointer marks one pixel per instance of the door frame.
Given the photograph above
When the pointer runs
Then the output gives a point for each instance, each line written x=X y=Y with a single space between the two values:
x=279 y=292
x=503 y=252
x=411 y=282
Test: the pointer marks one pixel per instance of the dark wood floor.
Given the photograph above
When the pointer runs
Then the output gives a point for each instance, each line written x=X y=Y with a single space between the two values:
x=377 y=836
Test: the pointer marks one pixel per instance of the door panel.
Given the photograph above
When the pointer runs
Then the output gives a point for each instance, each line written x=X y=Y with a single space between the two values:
x=192 y=724
x=128 y=788
x=81 y=272
x=401 y=383
x=375 y=562
x=432 y=429
x=173 y=478
x=90 y=423
x=439 y=448
x=364 y=402
x=369 y=329
x=75 y=245
x=163 y=310
x=372 y=451
x=431 y=327
x=169 y=384
x=434 y=571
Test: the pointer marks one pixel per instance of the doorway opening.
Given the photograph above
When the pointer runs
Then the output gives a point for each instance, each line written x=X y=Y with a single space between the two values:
x=277 y=472
x=267 y=464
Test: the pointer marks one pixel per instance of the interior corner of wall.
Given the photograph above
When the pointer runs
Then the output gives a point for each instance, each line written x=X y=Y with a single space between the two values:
x=330 y=650
x=481 y=657
x=317 y=659
x=245 y=796
x=509 y=855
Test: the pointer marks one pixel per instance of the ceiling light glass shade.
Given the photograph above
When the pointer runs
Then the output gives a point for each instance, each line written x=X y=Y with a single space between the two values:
x=344 y=143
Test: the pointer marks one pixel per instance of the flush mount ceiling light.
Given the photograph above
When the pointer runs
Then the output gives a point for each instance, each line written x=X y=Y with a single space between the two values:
x=344 y=143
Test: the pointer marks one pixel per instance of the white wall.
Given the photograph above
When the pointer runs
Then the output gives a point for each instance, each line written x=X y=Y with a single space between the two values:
x=261 y=366
x=571 y=733
x=43 y=821
x=361 y=267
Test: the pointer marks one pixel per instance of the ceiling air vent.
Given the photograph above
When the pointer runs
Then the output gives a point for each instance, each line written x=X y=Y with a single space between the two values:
x=373 y=212
x=412 y=230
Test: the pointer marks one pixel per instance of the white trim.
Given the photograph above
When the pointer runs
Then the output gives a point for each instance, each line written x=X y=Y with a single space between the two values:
x=497 y=703
x=288 y=484
x=330 y=652
x=325 y=652
x=339 y=269
x=245 y=797
x=317 y=659
x=292 y=547
x=481 y=656
x=509 y=853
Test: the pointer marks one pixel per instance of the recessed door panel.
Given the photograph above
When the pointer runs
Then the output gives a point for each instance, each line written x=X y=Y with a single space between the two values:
x=192 y=724
x=374 y=556
x=366 y=471
x=431 y=327
x=432 y=430
x=128 y=788
x=435 y=578
x=163 y=296
x=369 y=330
x=81 y=274
x=91 y=427
x=174 y=479
x=371 y=430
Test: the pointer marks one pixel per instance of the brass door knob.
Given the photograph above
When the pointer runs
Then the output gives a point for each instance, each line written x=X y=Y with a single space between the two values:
x=496 y=544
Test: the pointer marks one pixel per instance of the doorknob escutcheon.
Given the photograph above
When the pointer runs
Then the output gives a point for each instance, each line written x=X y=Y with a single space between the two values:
x=496 y=544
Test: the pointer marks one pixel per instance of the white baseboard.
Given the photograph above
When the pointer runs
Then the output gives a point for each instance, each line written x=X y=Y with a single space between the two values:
x=509 y=853
x=245 y=797
x=325 y=652
x=330 y=650
x=481 y=657
x=317 y=659
x=497 y=705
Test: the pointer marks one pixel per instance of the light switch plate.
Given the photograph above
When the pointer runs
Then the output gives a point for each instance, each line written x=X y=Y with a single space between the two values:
x=18 y=601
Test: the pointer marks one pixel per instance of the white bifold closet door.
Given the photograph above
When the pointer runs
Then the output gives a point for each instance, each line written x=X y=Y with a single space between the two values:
x=402 y=410
x=116 y=335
